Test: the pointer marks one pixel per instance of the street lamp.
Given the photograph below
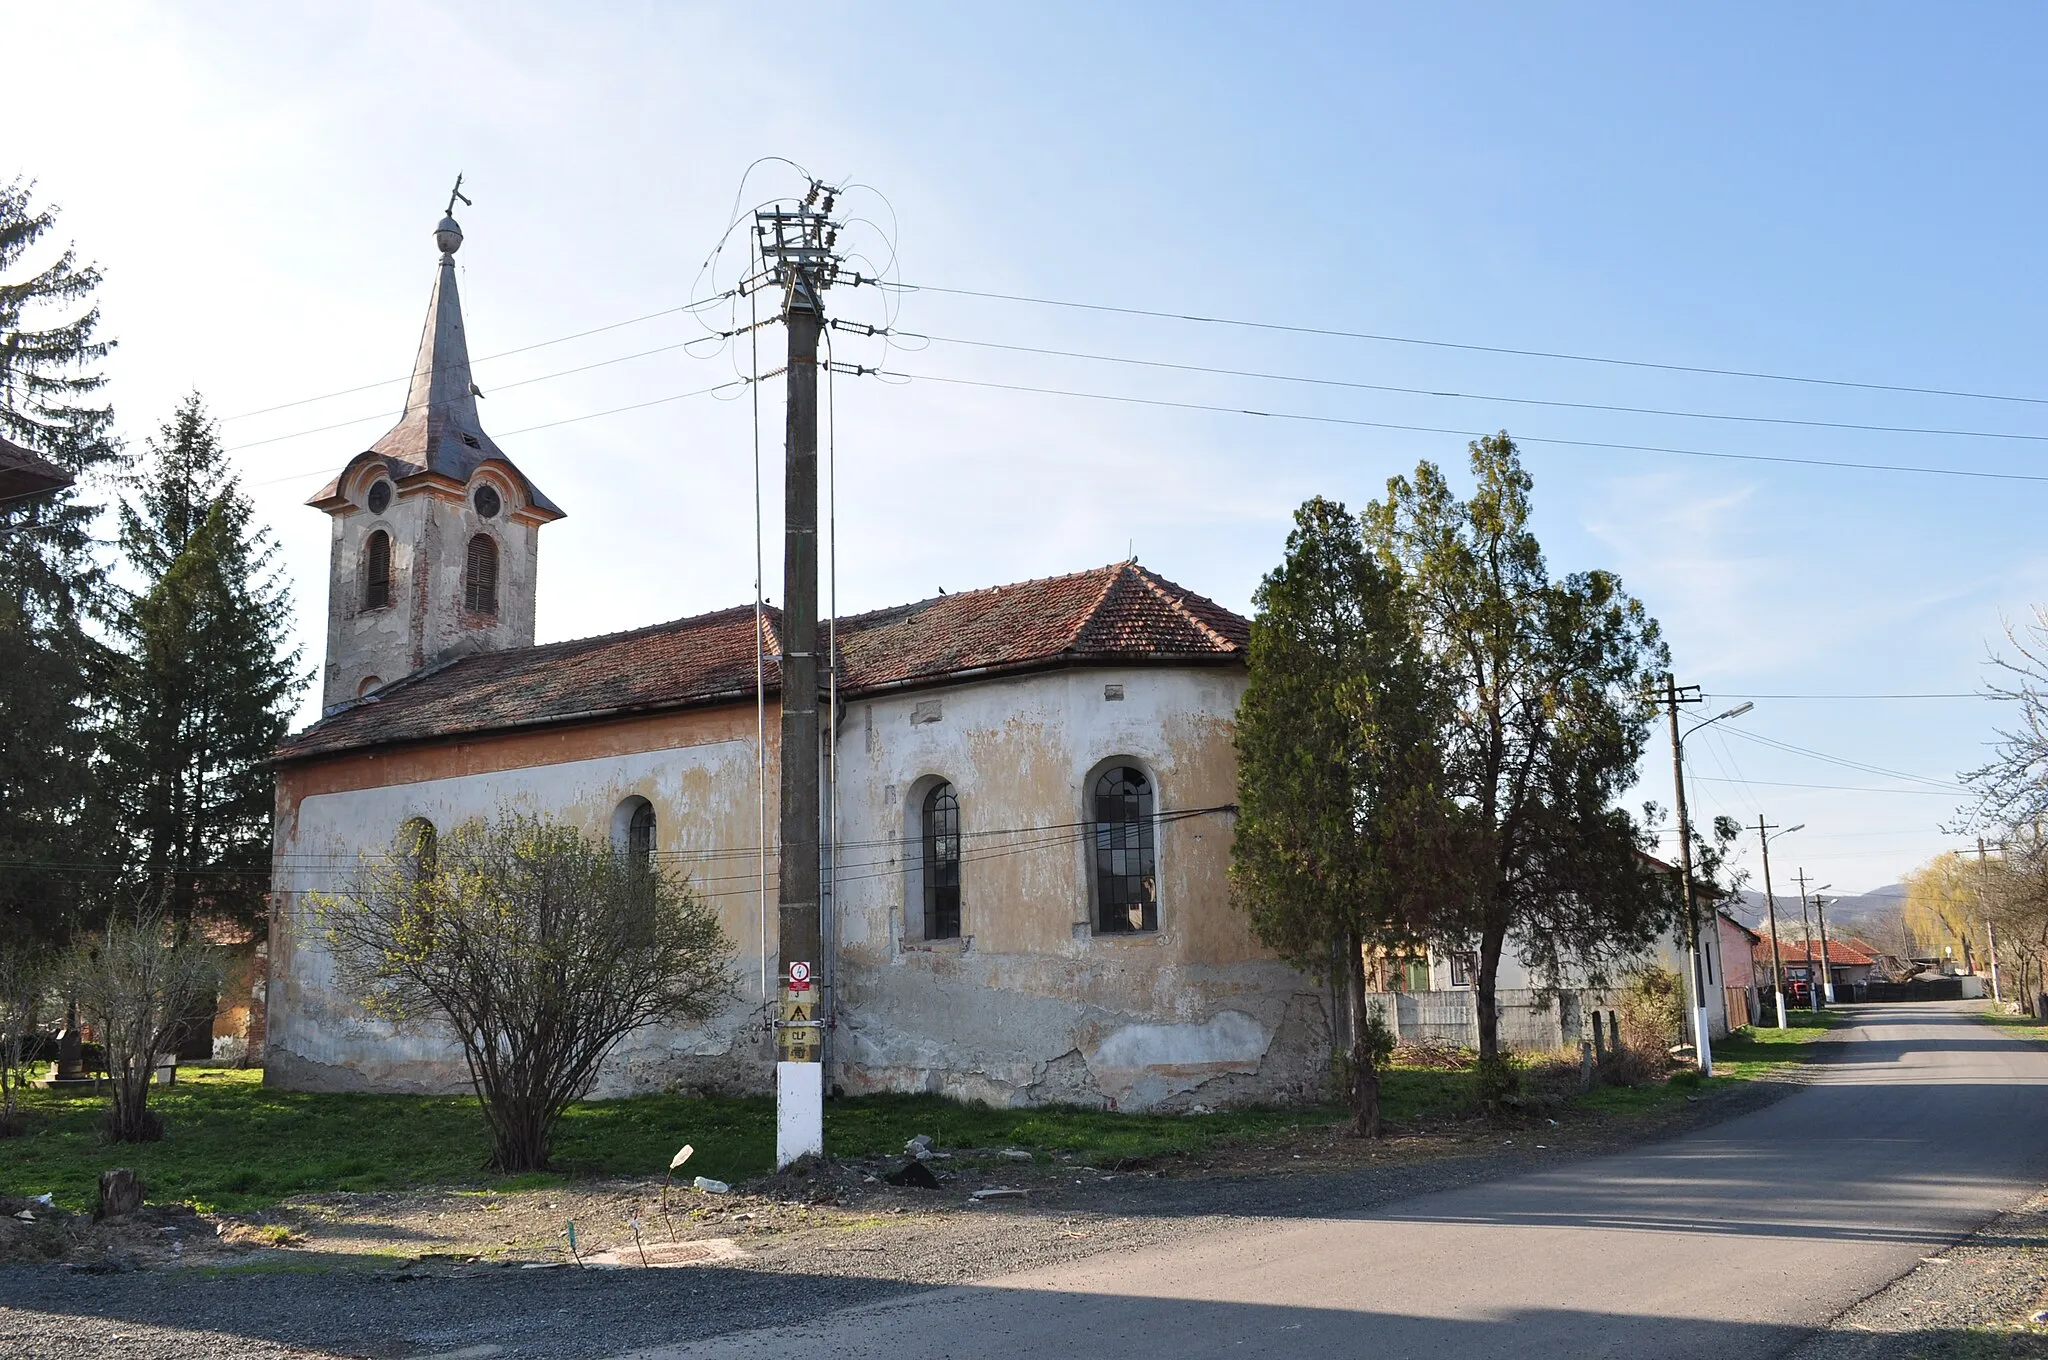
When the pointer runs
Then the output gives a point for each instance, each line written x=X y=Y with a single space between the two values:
x=1702 y=1038
x=1771 y=903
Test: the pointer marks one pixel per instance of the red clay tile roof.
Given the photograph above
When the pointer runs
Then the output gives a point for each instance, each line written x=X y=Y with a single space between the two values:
x=1802 y=951
x=1119 y=614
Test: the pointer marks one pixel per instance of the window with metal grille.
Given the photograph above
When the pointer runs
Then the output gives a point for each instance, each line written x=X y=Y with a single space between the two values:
x=1126 y=869
x=480 y=576
x=377 y=571
x=941 y=864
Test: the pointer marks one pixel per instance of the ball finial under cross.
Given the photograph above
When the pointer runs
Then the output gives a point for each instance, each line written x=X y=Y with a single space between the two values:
x=448 y=236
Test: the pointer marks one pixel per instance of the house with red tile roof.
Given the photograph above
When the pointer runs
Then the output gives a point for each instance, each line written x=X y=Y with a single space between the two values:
x=1027 y=829
x=1849 y=961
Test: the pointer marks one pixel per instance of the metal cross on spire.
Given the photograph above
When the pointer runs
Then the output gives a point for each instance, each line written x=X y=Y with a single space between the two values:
x=456 y=193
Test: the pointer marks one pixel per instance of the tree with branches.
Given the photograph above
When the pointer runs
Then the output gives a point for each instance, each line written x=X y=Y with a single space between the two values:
x=137 y=982
x=1338 y=804
x=536 y=948
x=1547 y=680
x=204 y=687
x=53 y=824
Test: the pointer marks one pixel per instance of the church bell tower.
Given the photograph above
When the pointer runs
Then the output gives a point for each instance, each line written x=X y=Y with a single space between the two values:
x=435 y=531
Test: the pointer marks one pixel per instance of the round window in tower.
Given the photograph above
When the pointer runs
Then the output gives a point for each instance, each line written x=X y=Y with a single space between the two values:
x=380 y=497
x=486 y=499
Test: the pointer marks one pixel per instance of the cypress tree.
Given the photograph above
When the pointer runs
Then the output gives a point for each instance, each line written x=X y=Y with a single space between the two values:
x=207 y=684
x=53 y=832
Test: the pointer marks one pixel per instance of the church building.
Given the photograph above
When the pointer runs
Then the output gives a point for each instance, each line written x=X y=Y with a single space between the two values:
x=1027 y=833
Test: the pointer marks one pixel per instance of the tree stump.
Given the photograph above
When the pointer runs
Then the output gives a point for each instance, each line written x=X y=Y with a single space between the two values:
x=120 y=1193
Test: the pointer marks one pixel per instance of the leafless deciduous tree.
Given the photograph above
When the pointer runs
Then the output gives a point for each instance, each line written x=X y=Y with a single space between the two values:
x=537 y=948
x=2012 y=788
x=136 y=982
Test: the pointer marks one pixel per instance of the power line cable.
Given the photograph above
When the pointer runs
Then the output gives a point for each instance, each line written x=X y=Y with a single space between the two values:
x=1477 y=396
x=1470 y=434
x=501 y=354
x=1946 y=785
x=1474 y=348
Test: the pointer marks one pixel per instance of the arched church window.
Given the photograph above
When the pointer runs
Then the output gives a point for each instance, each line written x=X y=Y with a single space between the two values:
x=380 y=497
x=640 y=838
x=486 y=501
x=1126 y=864
x=941 y=826
x=419 y=848
x=377 y=570
x=480 y=576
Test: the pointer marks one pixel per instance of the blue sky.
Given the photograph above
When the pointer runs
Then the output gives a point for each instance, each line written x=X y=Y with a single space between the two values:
x=1834 y=191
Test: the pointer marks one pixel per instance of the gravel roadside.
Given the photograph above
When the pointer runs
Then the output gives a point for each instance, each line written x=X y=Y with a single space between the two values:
x=1971 y=1302
x=278 y=1304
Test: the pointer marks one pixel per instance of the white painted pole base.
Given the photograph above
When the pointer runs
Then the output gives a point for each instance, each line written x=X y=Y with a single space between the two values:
x=1706 y=1042
x=1829 y=992
x=799 y=1111
x=1781 y=1011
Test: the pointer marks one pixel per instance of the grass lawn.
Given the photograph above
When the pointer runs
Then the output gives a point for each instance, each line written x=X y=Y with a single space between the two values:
x=232 y=1145
x=1751 y=1053
x=2026 y=1024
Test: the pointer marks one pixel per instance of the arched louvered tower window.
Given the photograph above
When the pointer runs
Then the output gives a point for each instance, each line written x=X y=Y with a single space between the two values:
x=480 y=576
x=377 y=570
x=941 y=820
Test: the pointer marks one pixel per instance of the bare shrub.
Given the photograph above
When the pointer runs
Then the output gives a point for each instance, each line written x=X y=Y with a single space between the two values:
x=136 y=984
x=538 y=949
x=1432 y=1054
x=1652 y=1010
x=1627 y=1066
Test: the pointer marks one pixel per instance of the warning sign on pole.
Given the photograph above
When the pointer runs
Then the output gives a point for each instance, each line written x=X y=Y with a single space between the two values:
x=798 y=1032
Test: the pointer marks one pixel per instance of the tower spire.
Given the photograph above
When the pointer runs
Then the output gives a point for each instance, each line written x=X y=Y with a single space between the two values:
x=441 y=381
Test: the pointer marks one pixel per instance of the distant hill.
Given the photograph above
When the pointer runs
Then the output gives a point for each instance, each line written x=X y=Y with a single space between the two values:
x=1854 y=914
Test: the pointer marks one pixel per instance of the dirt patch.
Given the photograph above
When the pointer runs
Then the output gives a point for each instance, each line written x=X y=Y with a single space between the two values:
x=34 y=1232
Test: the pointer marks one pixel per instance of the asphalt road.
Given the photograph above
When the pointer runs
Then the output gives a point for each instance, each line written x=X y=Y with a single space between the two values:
x=1734 y=1241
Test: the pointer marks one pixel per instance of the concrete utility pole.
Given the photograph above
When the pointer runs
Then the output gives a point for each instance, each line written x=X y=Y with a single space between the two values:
x=1771 y=904
x=1806 y=933
x=1990 y=931
x=796 y=250
x=1827 y=970
x=1702 y=1038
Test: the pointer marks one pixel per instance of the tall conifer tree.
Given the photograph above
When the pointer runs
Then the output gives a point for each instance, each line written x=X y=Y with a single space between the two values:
x=1343 y=837
x=52 y=831
x=206 y=688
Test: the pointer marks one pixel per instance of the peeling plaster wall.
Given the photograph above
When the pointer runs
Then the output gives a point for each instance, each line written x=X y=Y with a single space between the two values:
x=697 y=770
x=430 y=524
x=1030 y=1006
